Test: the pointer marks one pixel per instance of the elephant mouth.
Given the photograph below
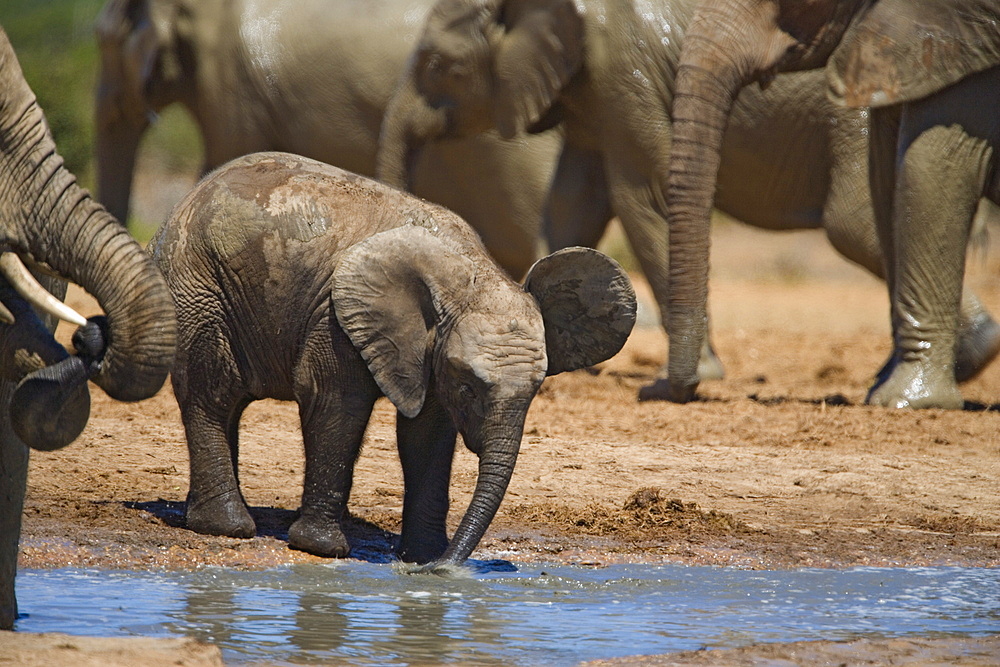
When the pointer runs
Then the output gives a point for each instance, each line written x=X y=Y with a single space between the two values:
x=51 y=406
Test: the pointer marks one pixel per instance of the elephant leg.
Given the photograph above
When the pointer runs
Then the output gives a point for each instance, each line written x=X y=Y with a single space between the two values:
x=13 y=476
x=215 y=504
x=577 y=208
x=336 y=394
x=211 y=418
x=332 y=439
x=939 y=181
x=426 y=446
x=646 y=230
x=848 y=219
x=978 y=338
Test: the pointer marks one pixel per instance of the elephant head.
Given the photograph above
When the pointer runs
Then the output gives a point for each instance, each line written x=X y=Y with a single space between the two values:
x=877 y=52
x=141 y=73
x=55 y=226
x=480 y=64
x=425 y=318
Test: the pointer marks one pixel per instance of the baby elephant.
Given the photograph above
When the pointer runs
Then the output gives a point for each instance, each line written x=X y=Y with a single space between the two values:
x=296 y=280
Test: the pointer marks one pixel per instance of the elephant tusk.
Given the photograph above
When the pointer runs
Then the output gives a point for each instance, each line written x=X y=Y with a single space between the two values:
x=17 y=274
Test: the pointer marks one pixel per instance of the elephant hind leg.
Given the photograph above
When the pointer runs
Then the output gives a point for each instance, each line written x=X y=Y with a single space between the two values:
x=215 y=504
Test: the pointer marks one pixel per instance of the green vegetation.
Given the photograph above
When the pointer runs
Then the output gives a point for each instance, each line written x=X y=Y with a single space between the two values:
x=54 y=41
x=55 y=45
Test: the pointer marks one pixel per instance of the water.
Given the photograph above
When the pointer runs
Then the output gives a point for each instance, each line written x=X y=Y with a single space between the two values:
x=359 y=613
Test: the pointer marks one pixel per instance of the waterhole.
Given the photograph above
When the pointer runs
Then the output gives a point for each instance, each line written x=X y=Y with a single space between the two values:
x=358 y=613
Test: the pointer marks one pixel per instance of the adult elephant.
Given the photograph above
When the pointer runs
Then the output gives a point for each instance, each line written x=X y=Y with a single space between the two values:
x=929 y=71
x=311 y=77
x=55 y=226
x=606 y=70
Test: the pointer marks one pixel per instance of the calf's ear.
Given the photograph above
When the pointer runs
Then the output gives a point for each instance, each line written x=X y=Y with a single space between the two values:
x=391 y=294
x=587 y=304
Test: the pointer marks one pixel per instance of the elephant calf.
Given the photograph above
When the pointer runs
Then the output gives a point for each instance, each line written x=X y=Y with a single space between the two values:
x=296 y=280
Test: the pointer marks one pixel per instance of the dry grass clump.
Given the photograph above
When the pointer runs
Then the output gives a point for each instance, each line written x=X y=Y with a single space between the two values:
x=953 y=524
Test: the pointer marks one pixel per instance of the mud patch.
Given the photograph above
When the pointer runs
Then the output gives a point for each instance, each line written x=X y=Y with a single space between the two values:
x=647 y=514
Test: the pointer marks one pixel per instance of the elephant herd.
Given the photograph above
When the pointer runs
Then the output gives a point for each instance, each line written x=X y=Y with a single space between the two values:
x=530 y=124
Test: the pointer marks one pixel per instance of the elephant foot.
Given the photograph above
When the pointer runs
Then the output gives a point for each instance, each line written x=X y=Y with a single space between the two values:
x=8 y=614
x=224 y=515
x=320 y=537
x=425 y=550
x=658 y=391
x=709 y=368
x=662 y=390
x=978 y=344
x=916 y=385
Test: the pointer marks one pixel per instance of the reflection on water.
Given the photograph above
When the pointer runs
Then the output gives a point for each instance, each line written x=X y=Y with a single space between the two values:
x=359 y=613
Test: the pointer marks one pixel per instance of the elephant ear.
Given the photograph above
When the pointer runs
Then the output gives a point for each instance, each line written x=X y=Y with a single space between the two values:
x=391 y=293
x=588 y=306
x=904 y=50
x=541 y=49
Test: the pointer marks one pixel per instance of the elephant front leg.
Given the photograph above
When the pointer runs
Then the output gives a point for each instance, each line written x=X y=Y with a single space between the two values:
x=850 y=227
x=938 y=184
x=978 y=339
x=13 y=475
x=426 y=446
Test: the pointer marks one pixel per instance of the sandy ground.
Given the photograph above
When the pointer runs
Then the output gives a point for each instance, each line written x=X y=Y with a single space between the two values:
x=779 y=466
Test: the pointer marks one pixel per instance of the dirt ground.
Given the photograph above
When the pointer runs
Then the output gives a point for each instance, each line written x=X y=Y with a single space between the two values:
x=780 y=465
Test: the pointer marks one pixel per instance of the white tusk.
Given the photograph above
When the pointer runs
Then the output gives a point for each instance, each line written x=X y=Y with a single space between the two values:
x=6 y=316
x=17 y=274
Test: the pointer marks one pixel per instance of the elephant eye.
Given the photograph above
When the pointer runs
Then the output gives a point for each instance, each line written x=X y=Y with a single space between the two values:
x=466 y=392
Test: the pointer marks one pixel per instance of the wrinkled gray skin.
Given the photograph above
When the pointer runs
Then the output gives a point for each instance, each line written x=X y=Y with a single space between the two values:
x=56 y=227
x=928 y=69
x=295 y=280
x=606 y=70
x=311 y=77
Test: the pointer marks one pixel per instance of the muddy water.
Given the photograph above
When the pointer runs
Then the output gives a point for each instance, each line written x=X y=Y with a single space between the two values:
x=359 y=613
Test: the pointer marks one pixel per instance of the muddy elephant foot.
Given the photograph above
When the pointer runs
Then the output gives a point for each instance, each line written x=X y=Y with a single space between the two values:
x=978 y=344
x=225 y=515
x=427 y=549
x=911 y=384
x=320 y=537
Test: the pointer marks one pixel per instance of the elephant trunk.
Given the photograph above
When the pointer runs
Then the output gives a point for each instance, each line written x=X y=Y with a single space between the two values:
x=409 y=123
x=497 y=444
x=94 y=251
x=72 y=235
x=117 y=144
x=703 y=98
